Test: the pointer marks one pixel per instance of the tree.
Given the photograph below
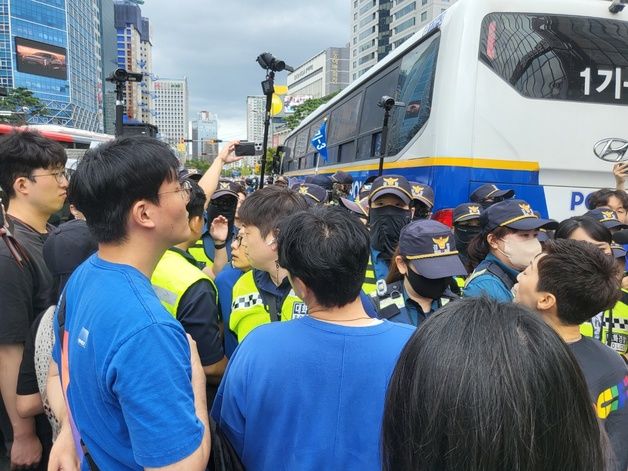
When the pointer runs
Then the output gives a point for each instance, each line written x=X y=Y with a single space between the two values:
x=199 y=165
x=303 y=110
x=21 y=104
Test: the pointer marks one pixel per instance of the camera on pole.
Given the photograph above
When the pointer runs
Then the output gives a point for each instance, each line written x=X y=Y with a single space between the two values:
x=388 y=103
x=271 y=64
x=119 y=77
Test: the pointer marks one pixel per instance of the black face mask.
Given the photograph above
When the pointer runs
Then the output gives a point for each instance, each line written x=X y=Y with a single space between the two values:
x=463 y=236
x=431 y=289
x=386 y=224
x=421 y=211
x=223 y=206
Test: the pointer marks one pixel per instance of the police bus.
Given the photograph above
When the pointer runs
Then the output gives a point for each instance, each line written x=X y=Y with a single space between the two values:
x=521 y=93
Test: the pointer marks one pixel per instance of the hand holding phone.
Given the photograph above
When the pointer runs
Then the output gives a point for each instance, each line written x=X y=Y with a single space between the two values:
x=245 y=148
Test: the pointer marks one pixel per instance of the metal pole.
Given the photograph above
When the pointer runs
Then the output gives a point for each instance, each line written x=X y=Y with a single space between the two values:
x=384 y=142
x=269 y=101
x=119 y=108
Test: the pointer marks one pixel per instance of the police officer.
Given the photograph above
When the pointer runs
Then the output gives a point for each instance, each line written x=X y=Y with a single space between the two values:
x=312 y=193
x=489 y=194
x=341 y=186
x=389 y=203
x=418 y=283
x=422 y=200
x=466 y=222
x=608 y=218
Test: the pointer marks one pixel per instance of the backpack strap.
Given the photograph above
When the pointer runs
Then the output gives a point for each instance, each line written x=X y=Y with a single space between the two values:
x=496 y=270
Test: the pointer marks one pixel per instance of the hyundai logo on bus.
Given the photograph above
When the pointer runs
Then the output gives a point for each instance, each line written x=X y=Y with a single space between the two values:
x=612 y=149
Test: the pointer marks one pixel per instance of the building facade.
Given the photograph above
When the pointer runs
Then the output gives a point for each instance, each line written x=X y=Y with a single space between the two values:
x=53 y=48
x=203 y=132
x=370 y=34
x=408 y=17
x=109 y=60
x=171 y=109
x=327 y=72
x=134 y=54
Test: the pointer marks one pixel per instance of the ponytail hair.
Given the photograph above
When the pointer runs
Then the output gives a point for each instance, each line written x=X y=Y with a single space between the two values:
x=479 y=248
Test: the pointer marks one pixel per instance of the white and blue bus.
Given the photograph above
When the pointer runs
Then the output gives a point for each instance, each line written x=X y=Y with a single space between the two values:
x=512 y=92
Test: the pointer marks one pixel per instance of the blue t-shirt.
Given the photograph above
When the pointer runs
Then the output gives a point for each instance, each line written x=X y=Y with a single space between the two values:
x=225 y=281
x=129 y=390
x=309 y=395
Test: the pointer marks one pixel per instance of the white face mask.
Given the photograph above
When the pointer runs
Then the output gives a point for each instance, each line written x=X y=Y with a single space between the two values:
x=521 y=252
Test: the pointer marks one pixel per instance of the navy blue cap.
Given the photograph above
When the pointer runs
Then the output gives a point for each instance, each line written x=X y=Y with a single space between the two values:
x=391 y=185
x=342 y=177
x=514 y=214
x=423 y=193
x=313 y=194
x=607 y=217
x=226 y=188
x=490 y=191
x=467 y=212
x=618 y=251
x=431 y=249
x=320 y=180
x=360 y=207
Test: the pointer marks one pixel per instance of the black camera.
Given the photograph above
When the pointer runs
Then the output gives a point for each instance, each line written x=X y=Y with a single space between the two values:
x=122 y=75
x=269 y=62
x=245 y=148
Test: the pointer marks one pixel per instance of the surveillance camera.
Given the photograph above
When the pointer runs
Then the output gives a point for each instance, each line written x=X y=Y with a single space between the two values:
x=386 y=102
x=617 y=6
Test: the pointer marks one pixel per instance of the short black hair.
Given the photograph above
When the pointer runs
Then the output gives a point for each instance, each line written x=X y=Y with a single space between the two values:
x=459 y=401
x=593 y=228
x=21 y=152
x=113 y=176
x=582 y=278
x=196 y=205
x=328 y=249
x=266 y=207
x=599 y=198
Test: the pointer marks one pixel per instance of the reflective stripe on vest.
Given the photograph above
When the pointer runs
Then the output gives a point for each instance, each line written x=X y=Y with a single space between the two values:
x=613 y=330
x=198 y=252
x=248 y=310
x=172 y=278
x=370 y=281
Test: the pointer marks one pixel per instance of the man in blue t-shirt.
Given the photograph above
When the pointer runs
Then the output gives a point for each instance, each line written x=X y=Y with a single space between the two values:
x=308 y=394
x=133 y=383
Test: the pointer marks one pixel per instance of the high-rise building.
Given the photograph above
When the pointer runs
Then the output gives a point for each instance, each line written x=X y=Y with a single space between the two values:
x=202 y=131
x=109 y=59
x=171 y=109
x=134 y=51
x=325 y=73
x=410 y=17
x=370 y=34
x=53 y=48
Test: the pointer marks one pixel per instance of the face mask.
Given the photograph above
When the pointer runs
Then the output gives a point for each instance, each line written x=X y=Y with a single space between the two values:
x=463 y=237
x=386 y=224
x=425 y=287
x=521 y=252
x=421 y=211
x=226 y=210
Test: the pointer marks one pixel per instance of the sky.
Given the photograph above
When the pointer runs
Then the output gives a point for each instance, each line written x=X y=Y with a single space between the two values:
x=215 y=44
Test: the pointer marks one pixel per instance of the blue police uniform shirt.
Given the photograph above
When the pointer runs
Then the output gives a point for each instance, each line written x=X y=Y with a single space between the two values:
x=225 y=281
x=410 y=314
x=309 y=395
x=380 y=266
x=129 y=390
x=490 y=285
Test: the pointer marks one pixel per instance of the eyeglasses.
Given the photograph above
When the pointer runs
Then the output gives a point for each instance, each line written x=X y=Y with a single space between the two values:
x=184 y=191
x=238 y=240
x=60 y=176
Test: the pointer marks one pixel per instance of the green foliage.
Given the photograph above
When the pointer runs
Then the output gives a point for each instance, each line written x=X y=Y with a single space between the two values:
x=303 y=110
x=23 y=104
x=199 y=165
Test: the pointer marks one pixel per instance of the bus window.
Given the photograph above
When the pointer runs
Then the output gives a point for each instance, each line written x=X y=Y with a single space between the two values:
x=558 y=57
x=372 y=115
x=344 y=120
x=301 y=144
x=414 y=88
x=346 y=152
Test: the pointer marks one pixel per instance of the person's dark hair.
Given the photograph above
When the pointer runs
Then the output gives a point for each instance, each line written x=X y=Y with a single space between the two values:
x=599 y=199
x=266 y=207
x=394 y=274
x=457 y=402
x=593 y=228
x=478 y=247
x=21 y=152
x=196 y=205
x=592 y=285
x=113 y=176
x=328 y=249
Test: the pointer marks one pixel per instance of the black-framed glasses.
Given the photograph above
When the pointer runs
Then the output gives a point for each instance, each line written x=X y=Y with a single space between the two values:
x=185 y=190
x=238 y=240
x=59 y=175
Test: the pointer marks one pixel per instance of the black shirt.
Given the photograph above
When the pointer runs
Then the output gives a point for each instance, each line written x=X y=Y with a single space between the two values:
x=24 y=291
x=606 y=375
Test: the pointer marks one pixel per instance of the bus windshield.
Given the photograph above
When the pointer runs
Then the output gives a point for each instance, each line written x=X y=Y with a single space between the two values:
x=558 y=57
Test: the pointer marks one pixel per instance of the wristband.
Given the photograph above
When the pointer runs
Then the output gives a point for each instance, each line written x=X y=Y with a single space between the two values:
x=220 y=246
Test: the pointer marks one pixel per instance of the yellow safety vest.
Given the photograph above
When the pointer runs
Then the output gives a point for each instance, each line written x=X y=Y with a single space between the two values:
x=172 y=278
x=370 y=281
x=198 y=252
x=248 y=310
x=613 y=330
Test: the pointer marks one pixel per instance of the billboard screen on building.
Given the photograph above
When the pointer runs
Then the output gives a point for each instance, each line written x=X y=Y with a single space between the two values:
x=38 y=58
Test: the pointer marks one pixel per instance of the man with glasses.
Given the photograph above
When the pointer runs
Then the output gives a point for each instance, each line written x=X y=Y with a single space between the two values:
x=32 y=174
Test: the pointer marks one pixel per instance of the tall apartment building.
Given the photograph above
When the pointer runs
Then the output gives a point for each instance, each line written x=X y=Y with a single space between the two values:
x=134 y=49
x=202 y=131
x=325 y=73
x=109 y=61
x=379 y=26
x=171 y=109
x=54 y=50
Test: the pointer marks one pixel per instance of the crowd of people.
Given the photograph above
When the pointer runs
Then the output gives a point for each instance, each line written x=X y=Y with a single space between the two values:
x=183 y=321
